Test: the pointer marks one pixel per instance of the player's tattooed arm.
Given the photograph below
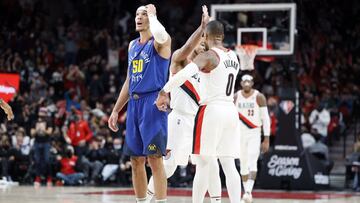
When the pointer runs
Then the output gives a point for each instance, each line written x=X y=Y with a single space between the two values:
x=182 y=53
x=207 y=61
x=261 y=100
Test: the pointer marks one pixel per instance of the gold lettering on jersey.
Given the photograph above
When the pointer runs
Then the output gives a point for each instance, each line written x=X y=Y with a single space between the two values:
x=231 y=64
x=246 y=105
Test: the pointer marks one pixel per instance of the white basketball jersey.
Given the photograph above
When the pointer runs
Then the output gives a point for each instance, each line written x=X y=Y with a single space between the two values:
x=249 y=110
x=185 y=99
x=218 y=85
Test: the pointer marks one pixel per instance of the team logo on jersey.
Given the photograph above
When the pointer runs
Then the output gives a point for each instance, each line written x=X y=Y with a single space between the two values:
x=287 y=106
x=152 y=147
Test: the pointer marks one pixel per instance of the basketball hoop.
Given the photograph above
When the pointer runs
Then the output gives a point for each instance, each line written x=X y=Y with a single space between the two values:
x=247 y=55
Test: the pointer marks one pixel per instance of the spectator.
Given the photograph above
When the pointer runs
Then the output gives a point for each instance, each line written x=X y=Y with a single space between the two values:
x=4 y=158
x=19 y=155
x=72 y=100
x=78 y=133
x=41 y=131
x=355 y=165
x=319 y=120
x=307 y=138
x=113 y=154
x=68 y=173
x=92 y=161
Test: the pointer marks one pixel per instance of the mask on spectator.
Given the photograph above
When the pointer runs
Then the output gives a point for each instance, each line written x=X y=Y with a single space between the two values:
x=69 y=153
x=117 y=146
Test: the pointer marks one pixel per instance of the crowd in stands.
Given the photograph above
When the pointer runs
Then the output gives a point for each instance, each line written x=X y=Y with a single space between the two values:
x=72 y=59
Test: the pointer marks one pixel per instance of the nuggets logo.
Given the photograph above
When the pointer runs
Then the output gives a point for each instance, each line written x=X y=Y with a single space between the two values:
x=152 y=147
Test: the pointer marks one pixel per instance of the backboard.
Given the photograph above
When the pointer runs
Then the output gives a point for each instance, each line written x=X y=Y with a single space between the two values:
x=271 y=26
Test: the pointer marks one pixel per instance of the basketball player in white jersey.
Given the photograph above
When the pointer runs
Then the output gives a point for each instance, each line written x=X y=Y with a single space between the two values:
x=185 y=104
x=253 y=114
x=216 y=130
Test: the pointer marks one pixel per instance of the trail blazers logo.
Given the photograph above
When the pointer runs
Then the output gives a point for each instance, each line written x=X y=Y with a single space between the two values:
x=287 y=106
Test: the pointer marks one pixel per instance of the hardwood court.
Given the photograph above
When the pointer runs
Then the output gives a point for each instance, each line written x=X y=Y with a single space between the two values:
x=29 y=194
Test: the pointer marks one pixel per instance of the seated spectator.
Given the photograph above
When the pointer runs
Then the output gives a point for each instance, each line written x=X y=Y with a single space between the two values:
x=68 y=173
x=91 y=162
x=307 y=138
x=113 y=154
x=19 y=155
x=319 y=120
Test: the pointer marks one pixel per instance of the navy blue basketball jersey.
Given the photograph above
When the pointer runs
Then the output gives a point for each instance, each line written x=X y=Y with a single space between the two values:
x=148 y=71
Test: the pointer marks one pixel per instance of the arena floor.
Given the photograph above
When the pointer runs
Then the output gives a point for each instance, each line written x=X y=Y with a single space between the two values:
x=30 y=194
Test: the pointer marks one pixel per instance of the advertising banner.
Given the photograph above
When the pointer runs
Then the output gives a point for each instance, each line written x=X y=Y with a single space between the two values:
x=9 y=85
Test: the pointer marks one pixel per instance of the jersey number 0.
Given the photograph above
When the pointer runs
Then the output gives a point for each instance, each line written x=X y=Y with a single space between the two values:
x=230 y=84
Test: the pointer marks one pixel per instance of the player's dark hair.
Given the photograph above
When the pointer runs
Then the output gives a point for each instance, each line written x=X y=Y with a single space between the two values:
x=215 y=28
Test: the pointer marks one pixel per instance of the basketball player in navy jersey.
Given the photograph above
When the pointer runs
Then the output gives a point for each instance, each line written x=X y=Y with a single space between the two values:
x=146 y=132
x=7 y=109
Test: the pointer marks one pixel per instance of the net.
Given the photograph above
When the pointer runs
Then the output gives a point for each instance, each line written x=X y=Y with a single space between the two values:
x=247 y=55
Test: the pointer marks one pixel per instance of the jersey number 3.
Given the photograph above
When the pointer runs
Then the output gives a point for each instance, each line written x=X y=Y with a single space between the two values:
x=137 y=66
x=230 y=84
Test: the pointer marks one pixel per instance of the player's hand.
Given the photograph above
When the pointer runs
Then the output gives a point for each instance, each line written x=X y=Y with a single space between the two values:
x=151 y=10
x=8 y=110
x=205 y=17
x=265 y=145
x=163 y=101
x=112 y=122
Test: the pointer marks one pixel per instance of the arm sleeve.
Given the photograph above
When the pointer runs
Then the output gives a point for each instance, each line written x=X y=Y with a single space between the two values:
x=180 y=77
x=158 y=30
x=264 y=115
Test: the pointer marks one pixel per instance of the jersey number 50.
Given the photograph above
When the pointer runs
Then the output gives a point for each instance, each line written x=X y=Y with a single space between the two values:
x=137 y=66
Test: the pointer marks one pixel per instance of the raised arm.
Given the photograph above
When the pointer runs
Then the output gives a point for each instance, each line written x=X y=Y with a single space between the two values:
x=182 y=53
x=162 y=38
x=205 y=62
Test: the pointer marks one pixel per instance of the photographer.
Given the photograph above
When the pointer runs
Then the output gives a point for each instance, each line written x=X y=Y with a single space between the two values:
x=68 y=173
x=41 y=131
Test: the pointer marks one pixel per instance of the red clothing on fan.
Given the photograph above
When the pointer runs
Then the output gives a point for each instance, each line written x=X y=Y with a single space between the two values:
x=79 y=131
x=68 y=165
